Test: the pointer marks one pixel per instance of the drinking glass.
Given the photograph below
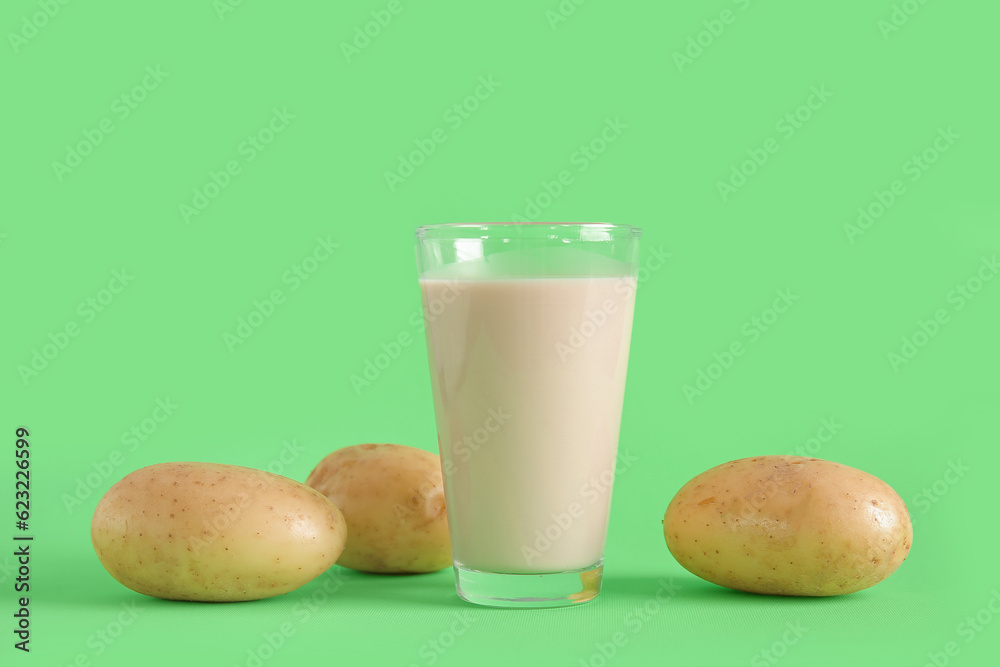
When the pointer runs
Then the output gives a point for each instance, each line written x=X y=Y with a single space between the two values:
x=528 y=329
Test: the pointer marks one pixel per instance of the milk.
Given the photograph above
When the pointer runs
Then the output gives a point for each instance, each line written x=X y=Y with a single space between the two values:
x=528 y=376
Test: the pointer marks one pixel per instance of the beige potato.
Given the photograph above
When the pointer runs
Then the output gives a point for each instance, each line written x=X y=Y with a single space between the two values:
x=215 y=533
x=392 y=497
x=788 y=525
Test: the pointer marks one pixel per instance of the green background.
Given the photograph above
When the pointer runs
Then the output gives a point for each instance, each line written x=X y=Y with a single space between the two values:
x=283 y=397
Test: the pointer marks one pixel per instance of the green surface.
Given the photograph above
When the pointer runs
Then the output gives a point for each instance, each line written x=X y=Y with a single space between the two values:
x=202 y=85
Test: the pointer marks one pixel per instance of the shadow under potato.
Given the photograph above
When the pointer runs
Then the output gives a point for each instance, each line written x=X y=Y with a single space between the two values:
x=437 y=589
x=434 y=588
x=688 y=587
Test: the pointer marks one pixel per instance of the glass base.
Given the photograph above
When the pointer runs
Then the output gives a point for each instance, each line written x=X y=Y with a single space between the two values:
x=551 y=589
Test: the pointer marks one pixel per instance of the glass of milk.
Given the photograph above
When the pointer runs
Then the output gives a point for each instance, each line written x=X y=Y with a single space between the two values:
x=528 y=329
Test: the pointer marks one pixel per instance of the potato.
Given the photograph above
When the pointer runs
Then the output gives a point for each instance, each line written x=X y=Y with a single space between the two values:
x=215 y=533
x=392 y=497
x=788 y=525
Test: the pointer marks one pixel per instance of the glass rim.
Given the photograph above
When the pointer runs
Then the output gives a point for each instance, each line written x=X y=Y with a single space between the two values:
x=629 y=231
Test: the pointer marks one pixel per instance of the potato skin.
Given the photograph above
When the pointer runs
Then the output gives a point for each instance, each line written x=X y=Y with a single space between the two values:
x=214 y=533
x=392 y=497
x=788 y=525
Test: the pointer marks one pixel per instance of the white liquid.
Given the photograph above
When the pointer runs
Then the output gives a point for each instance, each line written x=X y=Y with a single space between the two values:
x=528 y=378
